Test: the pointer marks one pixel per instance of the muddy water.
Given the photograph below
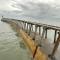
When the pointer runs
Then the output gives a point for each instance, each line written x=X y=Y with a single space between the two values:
x=11 y=46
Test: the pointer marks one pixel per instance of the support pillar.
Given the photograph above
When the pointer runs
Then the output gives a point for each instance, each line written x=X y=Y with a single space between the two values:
x=35 y=32
x=55 y=47
x=24 y=25
x=27 y=28
x=55 y=36
x=43 y=33
x=30 y=28
x=46 y=33
x=39 y=30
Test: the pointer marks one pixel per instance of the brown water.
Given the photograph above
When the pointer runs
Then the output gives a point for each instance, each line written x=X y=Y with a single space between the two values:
x=11 y=46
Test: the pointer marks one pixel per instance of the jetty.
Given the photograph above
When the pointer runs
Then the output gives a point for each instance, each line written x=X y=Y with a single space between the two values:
x=35 y=39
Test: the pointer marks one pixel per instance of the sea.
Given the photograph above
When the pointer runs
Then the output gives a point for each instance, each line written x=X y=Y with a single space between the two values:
x=12 y=47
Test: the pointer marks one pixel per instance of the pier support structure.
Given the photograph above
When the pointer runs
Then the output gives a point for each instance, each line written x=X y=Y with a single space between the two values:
x=55 y=36
x=35 y=32
x=44 y=33
x=55 y=47
x=39 y=30
x=29 y=27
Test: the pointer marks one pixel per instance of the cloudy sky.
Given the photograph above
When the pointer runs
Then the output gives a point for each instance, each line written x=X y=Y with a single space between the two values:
x=36 y=9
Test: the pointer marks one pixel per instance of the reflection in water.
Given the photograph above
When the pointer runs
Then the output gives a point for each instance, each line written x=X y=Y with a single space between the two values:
x=22 y=45
x=12 y=47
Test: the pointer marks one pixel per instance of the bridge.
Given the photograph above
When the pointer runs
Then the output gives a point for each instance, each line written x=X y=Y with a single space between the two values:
x=35 y=37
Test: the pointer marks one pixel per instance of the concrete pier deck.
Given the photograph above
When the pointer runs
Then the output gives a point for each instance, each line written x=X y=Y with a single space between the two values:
x=40 y=37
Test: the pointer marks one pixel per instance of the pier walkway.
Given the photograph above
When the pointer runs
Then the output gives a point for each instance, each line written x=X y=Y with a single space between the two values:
x=36 y=37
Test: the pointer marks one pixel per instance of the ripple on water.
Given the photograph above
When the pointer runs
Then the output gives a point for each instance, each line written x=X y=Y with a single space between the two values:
x=11 y=47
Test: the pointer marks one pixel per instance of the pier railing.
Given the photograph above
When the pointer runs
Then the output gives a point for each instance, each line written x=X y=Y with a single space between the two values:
x=29 y=26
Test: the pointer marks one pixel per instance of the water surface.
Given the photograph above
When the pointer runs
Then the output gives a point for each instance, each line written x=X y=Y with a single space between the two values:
x=11 y=46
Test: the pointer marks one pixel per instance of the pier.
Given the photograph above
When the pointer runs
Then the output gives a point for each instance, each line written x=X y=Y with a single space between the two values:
x=35 y=39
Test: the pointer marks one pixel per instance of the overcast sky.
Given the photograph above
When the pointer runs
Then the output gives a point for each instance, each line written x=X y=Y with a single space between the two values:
x=37 y=9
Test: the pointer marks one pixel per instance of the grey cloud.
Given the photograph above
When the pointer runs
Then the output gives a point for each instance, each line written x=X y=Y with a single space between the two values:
x=23 y=6
x=10 y=14
x=37 y=10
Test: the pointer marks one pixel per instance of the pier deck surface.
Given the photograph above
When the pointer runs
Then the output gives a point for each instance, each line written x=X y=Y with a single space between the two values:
x=46 y=46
